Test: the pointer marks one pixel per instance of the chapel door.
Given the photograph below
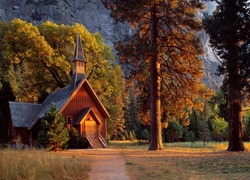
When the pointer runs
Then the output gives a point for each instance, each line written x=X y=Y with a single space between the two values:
x=91 y=128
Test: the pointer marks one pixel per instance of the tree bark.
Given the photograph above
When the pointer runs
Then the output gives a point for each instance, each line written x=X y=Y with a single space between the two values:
x=235 y=102
x=235 y=112
x=155 y=89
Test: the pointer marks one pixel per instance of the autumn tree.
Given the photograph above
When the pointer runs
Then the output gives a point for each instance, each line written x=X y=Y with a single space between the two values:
x=228 y=28
x=163 y=55
x=22 y=51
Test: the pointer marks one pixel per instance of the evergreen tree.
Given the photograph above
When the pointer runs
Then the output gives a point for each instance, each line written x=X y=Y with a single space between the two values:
x=228 y=28
x=173 y=132
x=73 y=138
x=131 y=112
x=163 y=53
x=53 y=134
x=190 y=137
x=204 y=132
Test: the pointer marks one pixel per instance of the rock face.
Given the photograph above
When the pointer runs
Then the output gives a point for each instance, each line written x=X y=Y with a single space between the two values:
x=90 y=13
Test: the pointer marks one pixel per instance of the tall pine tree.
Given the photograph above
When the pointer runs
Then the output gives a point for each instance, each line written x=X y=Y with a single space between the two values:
x=165 y=51
x=228 y=28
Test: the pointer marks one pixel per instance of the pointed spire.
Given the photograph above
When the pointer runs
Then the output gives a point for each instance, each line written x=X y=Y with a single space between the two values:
x=79 y=55
x=79 y=64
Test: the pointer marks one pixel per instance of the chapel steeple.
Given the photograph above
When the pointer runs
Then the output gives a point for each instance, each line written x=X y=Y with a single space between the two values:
x=79 y=66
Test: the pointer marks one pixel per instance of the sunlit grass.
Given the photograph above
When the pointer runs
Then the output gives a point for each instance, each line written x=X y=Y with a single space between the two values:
x=34 y=164
x=180 y=161
x=177 y=160
x=198 y=145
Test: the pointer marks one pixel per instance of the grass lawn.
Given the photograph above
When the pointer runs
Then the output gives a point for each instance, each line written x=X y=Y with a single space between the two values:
x=177 y=161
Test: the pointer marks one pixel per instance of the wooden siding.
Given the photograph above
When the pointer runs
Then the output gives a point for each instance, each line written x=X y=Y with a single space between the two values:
x=10 y=129
x=83 y=99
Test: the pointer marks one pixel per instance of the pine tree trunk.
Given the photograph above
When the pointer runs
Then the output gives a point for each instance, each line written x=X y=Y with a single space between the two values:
x=235 y=111
x=155 y=90
x=235 y=122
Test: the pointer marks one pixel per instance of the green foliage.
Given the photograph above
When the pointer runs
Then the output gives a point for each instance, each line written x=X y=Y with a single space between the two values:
x=204 y=132
x=246 y=120
x=144 y=135
x=73 y=138
x=219 y=125
x=190 y=137
x=131 y=113
x=173 y=132
x=53 y=134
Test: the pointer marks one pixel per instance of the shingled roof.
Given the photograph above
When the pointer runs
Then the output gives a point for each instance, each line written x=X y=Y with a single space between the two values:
x=22 y=114
x=59 y=97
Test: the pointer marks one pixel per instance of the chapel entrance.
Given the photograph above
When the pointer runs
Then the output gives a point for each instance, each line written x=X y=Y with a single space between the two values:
x=91 y=128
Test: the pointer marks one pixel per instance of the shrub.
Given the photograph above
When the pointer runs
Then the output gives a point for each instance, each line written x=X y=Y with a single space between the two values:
x=145 y=135
x=190 y=137
x=73 y=138
x=173 y=133
x=83 y=142
x=53 y=134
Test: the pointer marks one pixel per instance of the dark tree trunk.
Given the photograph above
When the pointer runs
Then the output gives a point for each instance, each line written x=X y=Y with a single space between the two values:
x=155 y=90
x=234 y=82
x=235 y=103
x=235 y=113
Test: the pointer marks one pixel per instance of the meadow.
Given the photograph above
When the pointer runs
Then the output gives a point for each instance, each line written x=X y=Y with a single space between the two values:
x=39 y=165
x=179 y=161
x=176 y=161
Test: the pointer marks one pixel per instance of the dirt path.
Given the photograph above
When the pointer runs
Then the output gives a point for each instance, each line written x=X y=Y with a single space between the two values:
x=108 y=164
